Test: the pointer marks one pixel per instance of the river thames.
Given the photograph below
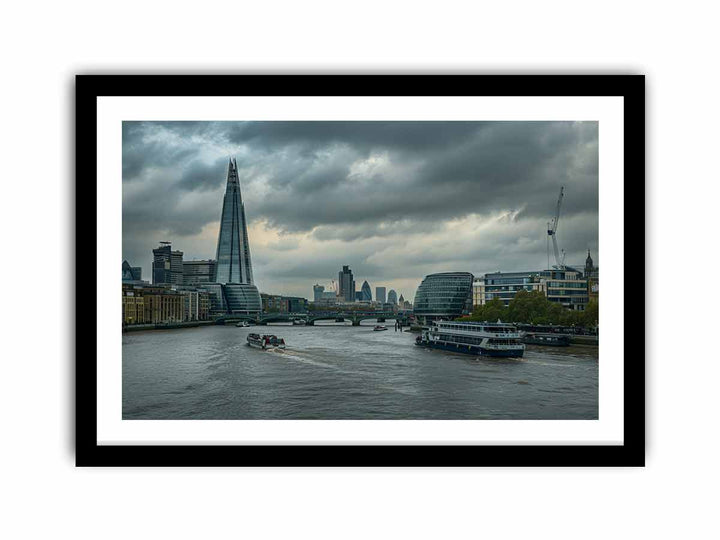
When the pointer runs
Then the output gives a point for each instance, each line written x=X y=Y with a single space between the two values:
x=336 y=371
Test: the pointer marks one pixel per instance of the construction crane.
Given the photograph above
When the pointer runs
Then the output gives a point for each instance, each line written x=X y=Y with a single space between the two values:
x=552 y=232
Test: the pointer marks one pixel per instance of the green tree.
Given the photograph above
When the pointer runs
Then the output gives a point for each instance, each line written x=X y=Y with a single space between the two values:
x=591 y=314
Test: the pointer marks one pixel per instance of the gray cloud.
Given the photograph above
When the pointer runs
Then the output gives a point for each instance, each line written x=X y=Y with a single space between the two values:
x=357 y=186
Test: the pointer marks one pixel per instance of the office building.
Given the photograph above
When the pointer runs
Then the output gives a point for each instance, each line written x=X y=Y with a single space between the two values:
x=197 y=272
x=167 y=266
x=233 y=290
x=133 y=306
x=233 y=248
x=392 y=297
x=131 y=273
x=505 y=285
x=347 y=285
x=366 y=292
x=197 y=304
x=445 y=295
x=380 y=295
x=283 y=304
x=151 y=304
x=567 y=287
x=318 y=291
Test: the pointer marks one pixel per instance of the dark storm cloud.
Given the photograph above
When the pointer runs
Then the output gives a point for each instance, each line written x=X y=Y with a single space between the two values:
x=358 y=181
x=439 y=169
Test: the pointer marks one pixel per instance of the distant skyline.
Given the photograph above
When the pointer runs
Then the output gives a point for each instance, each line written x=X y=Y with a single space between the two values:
x=395 y=201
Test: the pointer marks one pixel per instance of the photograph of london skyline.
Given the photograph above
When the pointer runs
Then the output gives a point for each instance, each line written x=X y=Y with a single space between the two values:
x=394 y=200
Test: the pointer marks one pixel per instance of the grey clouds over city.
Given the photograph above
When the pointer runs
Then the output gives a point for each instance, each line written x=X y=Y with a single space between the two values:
x=394 y=200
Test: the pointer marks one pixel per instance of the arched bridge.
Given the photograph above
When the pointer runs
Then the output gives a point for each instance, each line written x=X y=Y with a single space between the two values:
x=310 y=317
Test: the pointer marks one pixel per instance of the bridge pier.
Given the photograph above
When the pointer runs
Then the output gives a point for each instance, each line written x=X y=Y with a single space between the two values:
x=356 y=322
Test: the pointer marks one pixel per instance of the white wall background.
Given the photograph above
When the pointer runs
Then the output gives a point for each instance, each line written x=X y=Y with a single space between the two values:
x=45 y=44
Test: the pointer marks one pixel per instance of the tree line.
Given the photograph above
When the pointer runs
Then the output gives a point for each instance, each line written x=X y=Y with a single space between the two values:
x=533 y=307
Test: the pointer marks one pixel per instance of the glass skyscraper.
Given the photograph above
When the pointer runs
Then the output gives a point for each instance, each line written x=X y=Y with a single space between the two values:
x=366 y=292
x=233 y=249
x=233 y=290
x=380 y=294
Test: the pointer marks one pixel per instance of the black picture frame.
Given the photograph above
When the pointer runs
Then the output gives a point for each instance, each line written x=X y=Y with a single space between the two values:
x=88 y=453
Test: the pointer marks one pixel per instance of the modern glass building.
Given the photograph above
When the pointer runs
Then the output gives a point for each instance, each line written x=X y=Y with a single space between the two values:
x=392 y=297
x=233 y=249
x=505 y=285
x=366 y=292
x=444 y=296
x=167 y=266
x=347 y=284
x=566 y=287
x=380 y=295
x=131 y=273
x=242 y=298
x=195 y=272
x=233 y=290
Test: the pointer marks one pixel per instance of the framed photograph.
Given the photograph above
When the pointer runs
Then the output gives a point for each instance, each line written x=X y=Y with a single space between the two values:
x=360 y=270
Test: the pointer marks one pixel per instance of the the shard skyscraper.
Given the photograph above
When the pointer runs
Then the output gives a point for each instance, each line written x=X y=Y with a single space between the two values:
x=233 y=250
x=233 y=290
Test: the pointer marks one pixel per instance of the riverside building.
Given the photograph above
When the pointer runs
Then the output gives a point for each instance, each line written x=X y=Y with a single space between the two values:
x=143 y=305
x=233 y=290
x=566 y=287
x=445 y=295
x=505 y=285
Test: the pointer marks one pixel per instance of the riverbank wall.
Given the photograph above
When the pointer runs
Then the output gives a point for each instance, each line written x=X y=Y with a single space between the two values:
x=166 y=326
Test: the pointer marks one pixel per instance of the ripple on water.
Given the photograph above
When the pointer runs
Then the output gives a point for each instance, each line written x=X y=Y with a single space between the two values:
x=345 y=373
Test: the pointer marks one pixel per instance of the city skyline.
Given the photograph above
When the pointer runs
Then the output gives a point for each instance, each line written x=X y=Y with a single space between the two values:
x=393 y=200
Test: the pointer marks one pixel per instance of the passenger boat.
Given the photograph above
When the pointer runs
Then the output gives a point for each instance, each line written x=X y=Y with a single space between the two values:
x=379 y=328
x=265 y=342
x=476 y=338
x=539 y=338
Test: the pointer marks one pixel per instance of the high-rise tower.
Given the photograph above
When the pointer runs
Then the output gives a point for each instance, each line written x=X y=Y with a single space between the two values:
x=233 y=250
x=347 y=284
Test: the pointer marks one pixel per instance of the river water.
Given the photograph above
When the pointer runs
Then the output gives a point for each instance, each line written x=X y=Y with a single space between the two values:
x=336 y=371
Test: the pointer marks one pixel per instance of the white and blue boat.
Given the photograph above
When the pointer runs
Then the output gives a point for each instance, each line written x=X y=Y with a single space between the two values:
x=476 y=338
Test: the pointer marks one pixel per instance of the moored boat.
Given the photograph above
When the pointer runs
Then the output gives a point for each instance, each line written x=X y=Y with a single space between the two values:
x=476 y=338
x=265 y=342
x=539 y=338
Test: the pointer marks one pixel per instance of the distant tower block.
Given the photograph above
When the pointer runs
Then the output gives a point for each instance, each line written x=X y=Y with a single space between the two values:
x=233 y=250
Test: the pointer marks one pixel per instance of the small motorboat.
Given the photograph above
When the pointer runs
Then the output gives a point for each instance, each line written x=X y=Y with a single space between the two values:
x=298 y=322
x=243 y=324
x=379 y=328
x=265 y=342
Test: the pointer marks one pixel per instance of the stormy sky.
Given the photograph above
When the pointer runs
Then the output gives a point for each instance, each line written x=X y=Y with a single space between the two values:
x=394 y=200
